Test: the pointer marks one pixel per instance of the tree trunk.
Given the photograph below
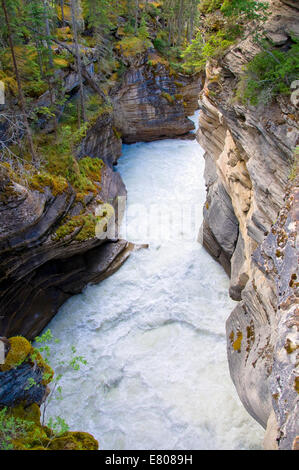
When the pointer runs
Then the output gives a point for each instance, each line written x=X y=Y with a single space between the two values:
x=78 y=57
x=62 y=13
x=48 y=34
x=180 y=22
x=18 y=78
x=136 y=15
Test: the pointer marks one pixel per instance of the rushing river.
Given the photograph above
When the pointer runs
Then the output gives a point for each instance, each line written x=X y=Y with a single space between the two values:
x=153 y=334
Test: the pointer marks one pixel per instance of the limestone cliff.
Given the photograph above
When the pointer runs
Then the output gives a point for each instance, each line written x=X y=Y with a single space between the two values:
x=250 y=227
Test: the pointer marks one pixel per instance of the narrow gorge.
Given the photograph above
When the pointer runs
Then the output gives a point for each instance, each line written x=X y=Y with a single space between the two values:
x=155 y=242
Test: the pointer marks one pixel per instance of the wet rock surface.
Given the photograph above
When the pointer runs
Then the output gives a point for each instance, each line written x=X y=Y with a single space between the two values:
x=39 y=270
x=249 y=151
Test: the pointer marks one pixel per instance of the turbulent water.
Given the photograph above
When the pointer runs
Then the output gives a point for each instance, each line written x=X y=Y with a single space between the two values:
x=153 y=334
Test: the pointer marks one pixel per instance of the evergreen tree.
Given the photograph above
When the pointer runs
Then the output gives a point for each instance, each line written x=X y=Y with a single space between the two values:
x=8 y=7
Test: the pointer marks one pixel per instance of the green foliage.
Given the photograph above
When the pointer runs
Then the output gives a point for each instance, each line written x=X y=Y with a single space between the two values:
x=58 y=426
x=219 y=31
x=77 y=360
x=12 y=428
x=44 y=345
x=209 y=6
x=269 y=74
x=199 y=51
x=130 y=46
x=143 y=32
x=30 y=383
x=168 y=97
x=246 y=9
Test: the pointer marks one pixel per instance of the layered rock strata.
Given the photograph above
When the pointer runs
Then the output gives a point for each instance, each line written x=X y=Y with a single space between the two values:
x=43 y=258
x=250 y=227
x=49 y=245
x=153 y=104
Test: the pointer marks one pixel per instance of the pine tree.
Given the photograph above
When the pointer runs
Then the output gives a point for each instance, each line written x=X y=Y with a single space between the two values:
x=6 y=6
x=78 y=57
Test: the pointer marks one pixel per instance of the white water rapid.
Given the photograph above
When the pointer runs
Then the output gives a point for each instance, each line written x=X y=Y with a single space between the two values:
x=153 y=334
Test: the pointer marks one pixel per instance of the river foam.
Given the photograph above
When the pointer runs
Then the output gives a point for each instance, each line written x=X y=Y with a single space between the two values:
x=153 y=334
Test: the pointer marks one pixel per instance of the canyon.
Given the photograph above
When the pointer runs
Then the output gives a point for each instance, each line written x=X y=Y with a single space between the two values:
x=250 y=217
x=39 y=271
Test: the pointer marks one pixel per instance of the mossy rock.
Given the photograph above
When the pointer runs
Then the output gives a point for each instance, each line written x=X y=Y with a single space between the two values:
x=168 y=97
x=30 y=413
x=30 y=434
x=40 y=181
x=19 y=351
x=74 y=441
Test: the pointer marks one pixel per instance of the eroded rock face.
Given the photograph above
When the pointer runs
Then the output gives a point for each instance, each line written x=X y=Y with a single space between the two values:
x=102 y=141
x=249 y=155
x=41 y=267
x=151 y=104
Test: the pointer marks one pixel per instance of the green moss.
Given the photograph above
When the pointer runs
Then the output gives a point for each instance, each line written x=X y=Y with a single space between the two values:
x=40 y=181
x=116 y=133
x=8 y=192
x=237 y=343
x=231 y=337
x=209 y=6
x=168 y=97
x=30 y=413
x=290 y=347
x=88 y=229
x=130 y=46
x=25 y=432
x=69 y=227
x=86 y=226
x=74 y=441
x=19 y=351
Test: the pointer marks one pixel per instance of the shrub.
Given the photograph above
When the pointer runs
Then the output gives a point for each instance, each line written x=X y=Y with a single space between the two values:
x=209 y=6
x=269 y=74
x=199 y=51
x=12 y=428
x=222 y=24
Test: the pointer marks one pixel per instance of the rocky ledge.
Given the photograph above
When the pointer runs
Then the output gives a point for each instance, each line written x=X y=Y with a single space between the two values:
x=52 y=245
x=250 y=227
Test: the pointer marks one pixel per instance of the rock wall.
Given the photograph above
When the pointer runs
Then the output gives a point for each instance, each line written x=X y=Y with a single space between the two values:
x=250 y=227
x=153 y=104
x=43 y=261
x=39 y=270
